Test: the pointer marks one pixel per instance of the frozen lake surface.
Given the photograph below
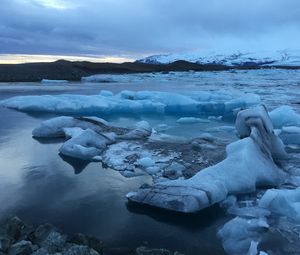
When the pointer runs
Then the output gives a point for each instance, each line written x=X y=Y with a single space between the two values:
x=39 y=186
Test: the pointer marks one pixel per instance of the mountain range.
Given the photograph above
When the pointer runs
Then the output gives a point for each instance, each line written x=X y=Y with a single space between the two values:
x=238 y=58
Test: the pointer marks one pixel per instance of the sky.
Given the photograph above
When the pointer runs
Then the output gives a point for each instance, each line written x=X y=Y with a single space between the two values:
x=124 y=30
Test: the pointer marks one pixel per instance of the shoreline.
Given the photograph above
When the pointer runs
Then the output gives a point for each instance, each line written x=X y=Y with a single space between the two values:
x=74 y=71
x=18 y=237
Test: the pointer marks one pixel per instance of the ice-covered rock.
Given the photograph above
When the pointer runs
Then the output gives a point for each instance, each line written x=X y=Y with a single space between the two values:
x=222 y=103
x=284 y=202
x=242 y=235
x=249 y=164
x=284 y=116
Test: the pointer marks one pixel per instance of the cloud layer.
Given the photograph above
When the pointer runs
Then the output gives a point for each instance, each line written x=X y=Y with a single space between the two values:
x=140 y=27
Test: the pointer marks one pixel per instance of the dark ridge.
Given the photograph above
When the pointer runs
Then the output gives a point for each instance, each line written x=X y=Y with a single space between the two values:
x=73 y=71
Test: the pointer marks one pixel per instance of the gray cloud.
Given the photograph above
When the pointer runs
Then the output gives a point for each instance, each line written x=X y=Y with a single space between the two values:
x=141 y=27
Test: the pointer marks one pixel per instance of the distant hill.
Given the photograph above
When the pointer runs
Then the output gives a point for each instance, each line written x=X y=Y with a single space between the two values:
x=73 y=71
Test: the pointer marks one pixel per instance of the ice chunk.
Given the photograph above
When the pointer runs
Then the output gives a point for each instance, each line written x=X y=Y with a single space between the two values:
x=85 y=144
x=146 y=162
x=193 y=103
x=284 y=202
x=249 y=163
x=55 y=127
x=290 y=135
x=284 y=116
x=142 y=130
x=189 y=120
x=241 y=235
x=106 y=93
x=53 y=81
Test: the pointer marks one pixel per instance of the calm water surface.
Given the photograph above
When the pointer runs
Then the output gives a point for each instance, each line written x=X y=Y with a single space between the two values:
x=39 y=186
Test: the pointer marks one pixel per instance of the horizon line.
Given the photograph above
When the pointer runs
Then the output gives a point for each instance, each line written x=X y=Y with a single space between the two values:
x=46 y=58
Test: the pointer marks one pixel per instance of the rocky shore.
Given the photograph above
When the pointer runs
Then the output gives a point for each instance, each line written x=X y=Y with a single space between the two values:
x=19 y=238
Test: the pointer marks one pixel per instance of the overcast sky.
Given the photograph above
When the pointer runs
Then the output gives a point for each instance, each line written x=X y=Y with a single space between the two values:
x=135 y=28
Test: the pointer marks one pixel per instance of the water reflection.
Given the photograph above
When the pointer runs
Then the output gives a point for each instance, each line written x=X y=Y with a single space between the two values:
x=77 y=164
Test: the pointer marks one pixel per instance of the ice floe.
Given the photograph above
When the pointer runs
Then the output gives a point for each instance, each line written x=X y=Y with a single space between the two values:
x=284 y=116
x=53 y=81
x=249 y=163
x=242 y=235
x=223 y=103
x=190 y=120
x=284 y=202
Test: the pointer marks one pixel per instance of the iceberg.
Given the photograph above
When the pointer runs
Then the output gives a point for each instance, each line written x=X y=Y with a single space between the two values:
x=249 y=163
x=242 y=235
x=284 y=116
x=130 y=102
x=283 y=202
x=290 y=135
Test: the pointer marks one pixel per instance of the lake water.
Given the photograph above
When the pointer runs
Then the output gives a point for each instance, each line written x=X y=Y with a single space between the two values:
x=39 y=186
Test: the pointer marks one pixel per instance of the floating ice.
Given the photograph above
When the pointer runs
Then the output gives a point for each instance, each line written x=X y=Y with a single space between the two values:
x=241 y=235
x=284 y=202
x=223 y=103
x=56 y=127
x=128 y=150
x=190 y=120
x=249 y=163
x=284 y=116
x=53 y=81
x=86 y=145
x=290 y=135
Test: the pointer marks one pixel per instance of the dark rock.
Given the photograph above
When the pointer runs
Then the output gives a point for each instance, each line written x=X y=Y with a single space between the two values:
x=80 y=250
x=79 y=239
x=55 y=242
x=42 y=232
x=92 y=242
x=41 y=251
x=14 y=227
x=5 y=243
x=21 y=248
x=118 y=251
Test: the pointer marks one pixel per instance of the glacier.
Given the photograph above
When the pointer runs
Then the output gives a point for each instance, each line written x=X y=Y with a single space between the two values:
x=238 y=58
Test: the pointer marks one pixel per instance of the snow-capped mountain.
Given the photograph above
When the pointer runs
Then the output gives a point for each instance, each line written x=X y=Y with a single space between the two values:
x=265 y=58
